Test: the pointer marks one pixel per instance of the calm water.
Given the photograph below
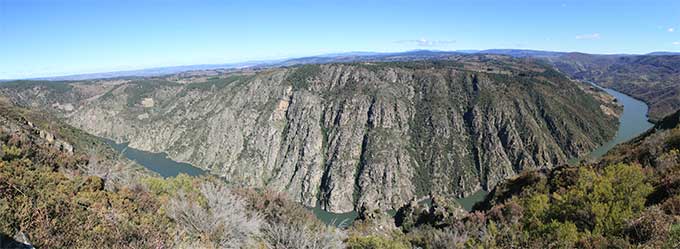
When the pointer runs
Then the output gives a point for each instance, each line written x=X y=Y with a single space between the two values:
x=633 y=122
x=336 y=219
x=470 y=201
x=346 y=219
x=156 y=162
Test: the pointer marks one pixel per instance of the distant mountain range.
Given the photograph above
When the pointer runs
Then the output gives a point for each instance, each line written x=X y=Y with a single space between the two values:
x=324 y=58
x=157 y=71
x=664 y=53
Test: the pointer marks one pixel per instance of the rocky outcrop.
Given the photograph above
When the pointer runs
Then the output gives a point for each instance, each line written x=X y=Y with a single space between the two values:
x=351 y=135
x=19 y=126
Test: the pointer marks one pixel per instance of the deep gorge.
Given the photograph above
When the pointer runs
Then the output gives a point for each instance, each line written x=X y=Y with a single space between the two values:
x=349 y=135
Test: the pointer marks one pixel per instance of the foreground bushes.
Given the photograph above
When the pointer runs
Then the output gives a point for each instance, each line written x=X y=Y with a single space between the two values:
x=60 y=208
x=618 y=206
x=596 y=210
x=64 y=200
x=573 y=207
x=58 y=212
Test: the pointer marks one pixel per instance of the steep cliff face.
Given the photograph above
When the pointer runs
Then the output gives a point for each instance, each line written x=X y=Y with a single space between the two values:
x=343 y=135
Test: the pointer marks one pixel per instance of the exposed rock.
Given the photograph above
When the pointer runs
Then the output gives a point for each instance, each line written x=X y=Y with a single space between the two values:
x=147 y=102
x=374 y=222
x=52 y=140
x=143 y=116
x=46 y=135
x=21 y=241
x=65 y=107
x=343 y=135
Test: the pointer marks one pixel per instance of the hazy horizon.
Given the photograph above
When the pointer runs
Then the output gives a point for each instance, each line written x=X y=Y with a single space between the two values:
x=48 y=38
x=256 y=61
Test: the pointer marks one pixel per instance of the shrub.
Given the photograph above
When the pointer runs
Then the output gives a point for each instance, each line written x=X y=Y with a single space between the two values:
x=603 y=203
x=672 y=205
x=535 y=210
x=57 y=212
x=10 y=152
x=652 y=225
x=374 y=242
x=224 y=221
x=560 y=235
x=286 y=235
x=674 y=237
x=428 y=237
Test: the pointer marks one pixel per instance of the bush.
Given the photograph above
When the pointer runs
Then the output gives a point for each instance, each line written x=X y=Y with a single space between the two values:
x=652 y=225
x=672 y=205
x=535 y=210
x=428 y=237
x=224 y=222
x=286 y=235
x=603 y=203
x=57 y=212
x=674 y=237
x=560 y=235
x=10 y=152
x=374 y=242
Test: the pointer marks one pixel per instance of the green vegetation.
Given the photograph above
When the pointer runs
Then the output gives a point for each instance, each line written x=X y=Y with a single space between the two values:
x=646 y=77
x=214 y=83
x=60 y=199
x=374 y=242
x=631 y=199
x=601 y=207
x=301 y=75
x=59 y=210
x=601 y=204
x=57 y=87
x=606 y=205
x=137 y=90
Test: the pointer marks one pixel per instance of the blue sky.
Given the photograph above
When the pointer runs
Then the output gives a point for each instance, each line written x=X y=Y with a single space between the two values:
x=50 y=37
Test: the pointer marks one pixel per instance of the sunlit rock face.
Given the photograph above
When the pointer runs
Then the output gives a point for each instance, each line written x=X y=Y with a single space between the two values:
x=347 y=135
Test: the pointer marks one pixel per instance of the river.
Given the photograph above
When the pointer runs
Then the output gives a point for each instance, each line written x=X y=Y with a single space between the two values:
x=156 y=162
x=633 y=122
x=346 y=219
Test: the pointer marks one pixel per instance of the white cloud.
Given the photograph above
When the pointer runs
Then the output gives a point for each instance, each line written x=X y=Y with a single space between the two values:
x=422 y=42
x=671 y=30
x=677 y=43
x=593 y=36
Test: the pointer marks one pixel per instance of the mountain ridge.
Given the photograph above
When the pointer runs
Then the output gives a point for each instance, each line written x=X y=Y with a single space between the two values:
x=353 y=56
x=338 y=133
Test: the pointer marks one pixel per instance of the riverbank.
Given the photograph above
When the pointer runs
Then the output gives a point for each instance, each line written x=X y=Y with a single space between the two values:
x=633 y=121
